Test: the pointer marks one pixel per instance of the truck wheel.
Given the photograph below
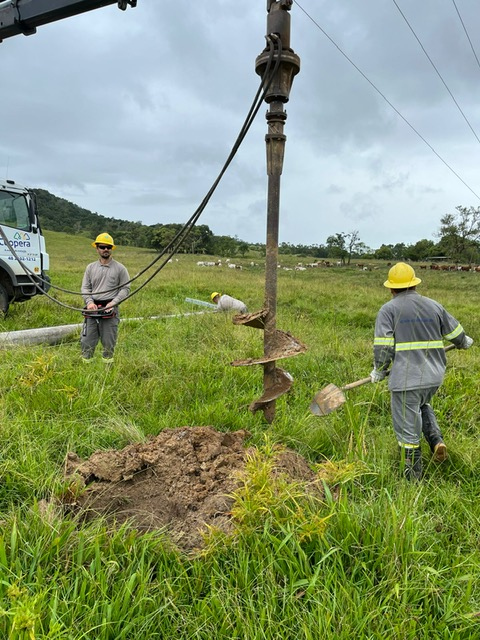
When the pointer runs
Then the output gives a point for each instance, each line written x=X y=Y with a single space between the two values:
x=46 y=285
x=3 y=300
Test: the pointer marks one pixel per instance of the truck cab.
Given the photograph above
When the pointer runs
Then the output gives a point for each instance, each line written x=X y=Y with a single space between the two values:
x=24 y=260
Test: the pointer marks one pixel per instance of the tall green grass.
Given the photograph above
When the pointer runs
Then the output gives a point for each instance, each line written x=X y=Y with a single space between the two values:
x=376 y=558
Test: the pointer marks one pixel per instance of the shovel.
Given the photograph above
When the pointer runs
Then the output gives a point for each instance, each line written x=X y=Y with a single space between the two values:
x=331 y=397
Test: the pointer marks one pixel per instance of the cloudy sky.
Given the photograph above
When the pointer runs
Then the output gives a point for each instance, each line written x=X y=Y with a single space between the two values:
x=132 y=114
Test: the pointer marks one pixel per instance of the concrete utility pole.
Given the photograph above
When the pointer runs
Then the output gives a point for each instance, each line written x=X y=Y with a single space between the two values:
x=284 y=66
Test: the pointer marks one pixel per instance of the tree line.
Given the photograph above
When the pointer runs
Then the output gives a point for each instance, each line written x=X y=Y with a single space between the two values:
x=458 y=236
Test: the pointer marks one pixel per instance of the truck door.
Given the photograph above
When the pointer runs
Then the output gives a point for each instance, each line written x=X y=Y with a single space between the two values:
x=19 y=233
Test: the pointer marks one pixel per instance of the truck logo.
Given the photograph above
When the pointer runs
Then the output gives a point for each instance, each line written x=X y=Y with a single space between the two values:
x=22 y=236
x=21 y=240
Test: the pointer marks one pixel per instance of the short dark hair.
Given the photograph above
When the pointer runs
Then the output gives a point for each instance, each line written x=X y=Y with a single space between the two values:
x=405 y=289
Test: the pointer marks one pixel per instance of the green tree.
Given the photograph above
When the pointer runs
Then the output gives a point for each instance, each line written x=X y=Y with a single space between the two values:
x=163 y=235
x=336 y=245
x=243 y=248
x=398 y=251
x=353 y=244
x=421 y=250
x=385 y=252
x=224 y=246
x=459 y=233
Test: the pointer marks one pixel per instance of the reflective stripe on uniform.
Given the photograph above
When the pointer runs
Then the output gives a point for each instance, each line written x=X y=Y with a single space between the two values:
x=411 y=346
x=383 y=342
x=456 y=332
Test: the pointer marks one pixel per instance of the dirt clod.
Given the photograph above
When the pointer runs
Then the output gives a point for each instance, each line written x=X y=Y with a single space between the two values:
x=180 y=481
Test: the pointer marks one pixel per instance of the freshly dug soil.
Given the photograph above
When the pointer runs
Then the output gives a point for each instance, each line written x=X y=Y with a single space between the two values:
x=179 y=481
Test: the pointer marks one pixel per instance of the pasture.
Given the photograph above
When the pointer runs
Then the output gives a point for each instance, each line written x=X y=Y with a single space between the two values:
x=376 y=558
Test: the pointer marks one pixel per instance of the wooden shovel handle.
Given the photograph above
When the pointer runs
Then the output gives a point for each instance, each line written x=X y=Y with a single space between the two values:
x=359 y=383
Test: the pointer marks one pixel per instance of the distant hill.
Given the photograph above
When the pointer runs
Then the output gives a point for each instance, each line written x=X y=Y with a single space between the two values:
x=58 y=214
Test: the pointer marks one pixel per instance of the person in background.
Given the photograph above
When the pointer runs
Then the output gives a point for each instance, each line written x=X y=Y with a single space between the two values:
x=409 y=334
x=105 y=284
x=227 y=303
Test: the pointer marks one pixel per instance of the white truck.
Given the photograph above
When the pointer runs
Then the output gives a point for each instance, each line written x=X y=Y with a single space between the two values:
x=24 y=260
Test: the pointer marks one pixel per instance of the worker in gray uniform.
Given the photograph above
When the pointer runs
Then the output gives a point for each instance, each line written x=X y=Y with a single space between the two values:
x=105 y=284
x=225 y=302
x=409 y=334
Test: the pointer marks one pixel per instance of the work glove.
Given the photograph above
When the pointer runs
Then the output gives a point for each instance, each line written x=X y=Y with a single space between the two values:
x=377 y=376
x=467 y=343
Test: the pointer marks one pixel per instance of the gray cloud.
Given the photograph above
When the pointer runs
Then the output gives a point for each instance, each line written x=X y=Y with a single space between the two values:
x=132 y=114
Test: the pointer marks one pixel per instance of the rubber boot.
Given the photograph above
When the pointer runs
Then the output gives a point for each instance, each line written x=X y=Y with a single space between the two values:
x=432 y=434
x=413 y=464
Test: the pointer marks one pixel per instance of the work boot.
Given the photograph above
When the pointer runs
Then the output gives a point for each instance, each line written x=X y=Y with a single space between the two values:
x=440 y=452
x=432 y=434
x=413 y=464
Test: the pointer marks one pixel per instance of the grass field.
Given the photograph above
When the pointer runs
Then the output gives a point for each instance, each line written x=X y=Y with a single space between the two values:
x=387 y=560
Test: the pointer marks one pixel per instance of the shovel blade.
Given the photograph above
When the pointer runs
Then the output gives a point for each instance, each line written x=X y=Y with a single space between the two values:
x=327 y=400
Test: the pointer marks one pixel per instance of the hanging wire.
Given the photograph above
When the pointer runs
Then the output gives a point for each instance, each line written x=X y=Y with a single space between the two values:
x=437 y=71
x=466 y=33
x=172 y=247
x=388 y=101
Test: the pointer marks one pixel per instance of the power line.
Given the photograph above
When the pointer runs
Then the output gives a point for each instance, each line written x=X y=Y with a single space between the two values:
x=436 y=70
x=466 y=32
x=387 y=100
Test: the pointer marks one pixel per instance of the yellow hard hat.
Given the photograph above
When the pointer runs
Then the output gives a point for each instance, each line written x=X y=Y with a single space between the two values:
x=401 y=276
x=103 y=238
x=214 y=295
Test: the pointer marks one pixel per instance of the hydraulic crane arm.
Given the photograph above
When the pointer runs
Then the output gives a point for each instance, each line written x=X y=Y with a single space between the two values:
x=24 y=16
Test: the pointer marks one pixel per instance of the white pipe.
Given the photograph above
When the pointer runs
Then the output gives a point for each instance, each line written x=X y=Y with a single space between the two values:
x=54 y=335
x=50 y=335
x=202 y=303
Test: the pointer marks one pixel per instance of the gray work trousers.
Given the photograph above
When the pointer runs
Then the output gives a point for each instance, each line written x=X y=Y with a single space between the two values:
x=408 y=410
x=103 y=329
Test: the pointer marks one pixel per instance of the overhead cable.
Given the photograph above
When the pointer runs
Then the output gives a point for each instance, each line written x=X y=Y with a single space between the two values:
x=274 y=45
x=387 y=100
x=436 y=70
x=466 y=33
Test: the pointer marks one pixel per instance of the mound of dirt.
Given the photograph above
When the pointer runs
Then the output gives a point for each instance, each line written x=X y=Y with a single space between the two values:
x=179 y=481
